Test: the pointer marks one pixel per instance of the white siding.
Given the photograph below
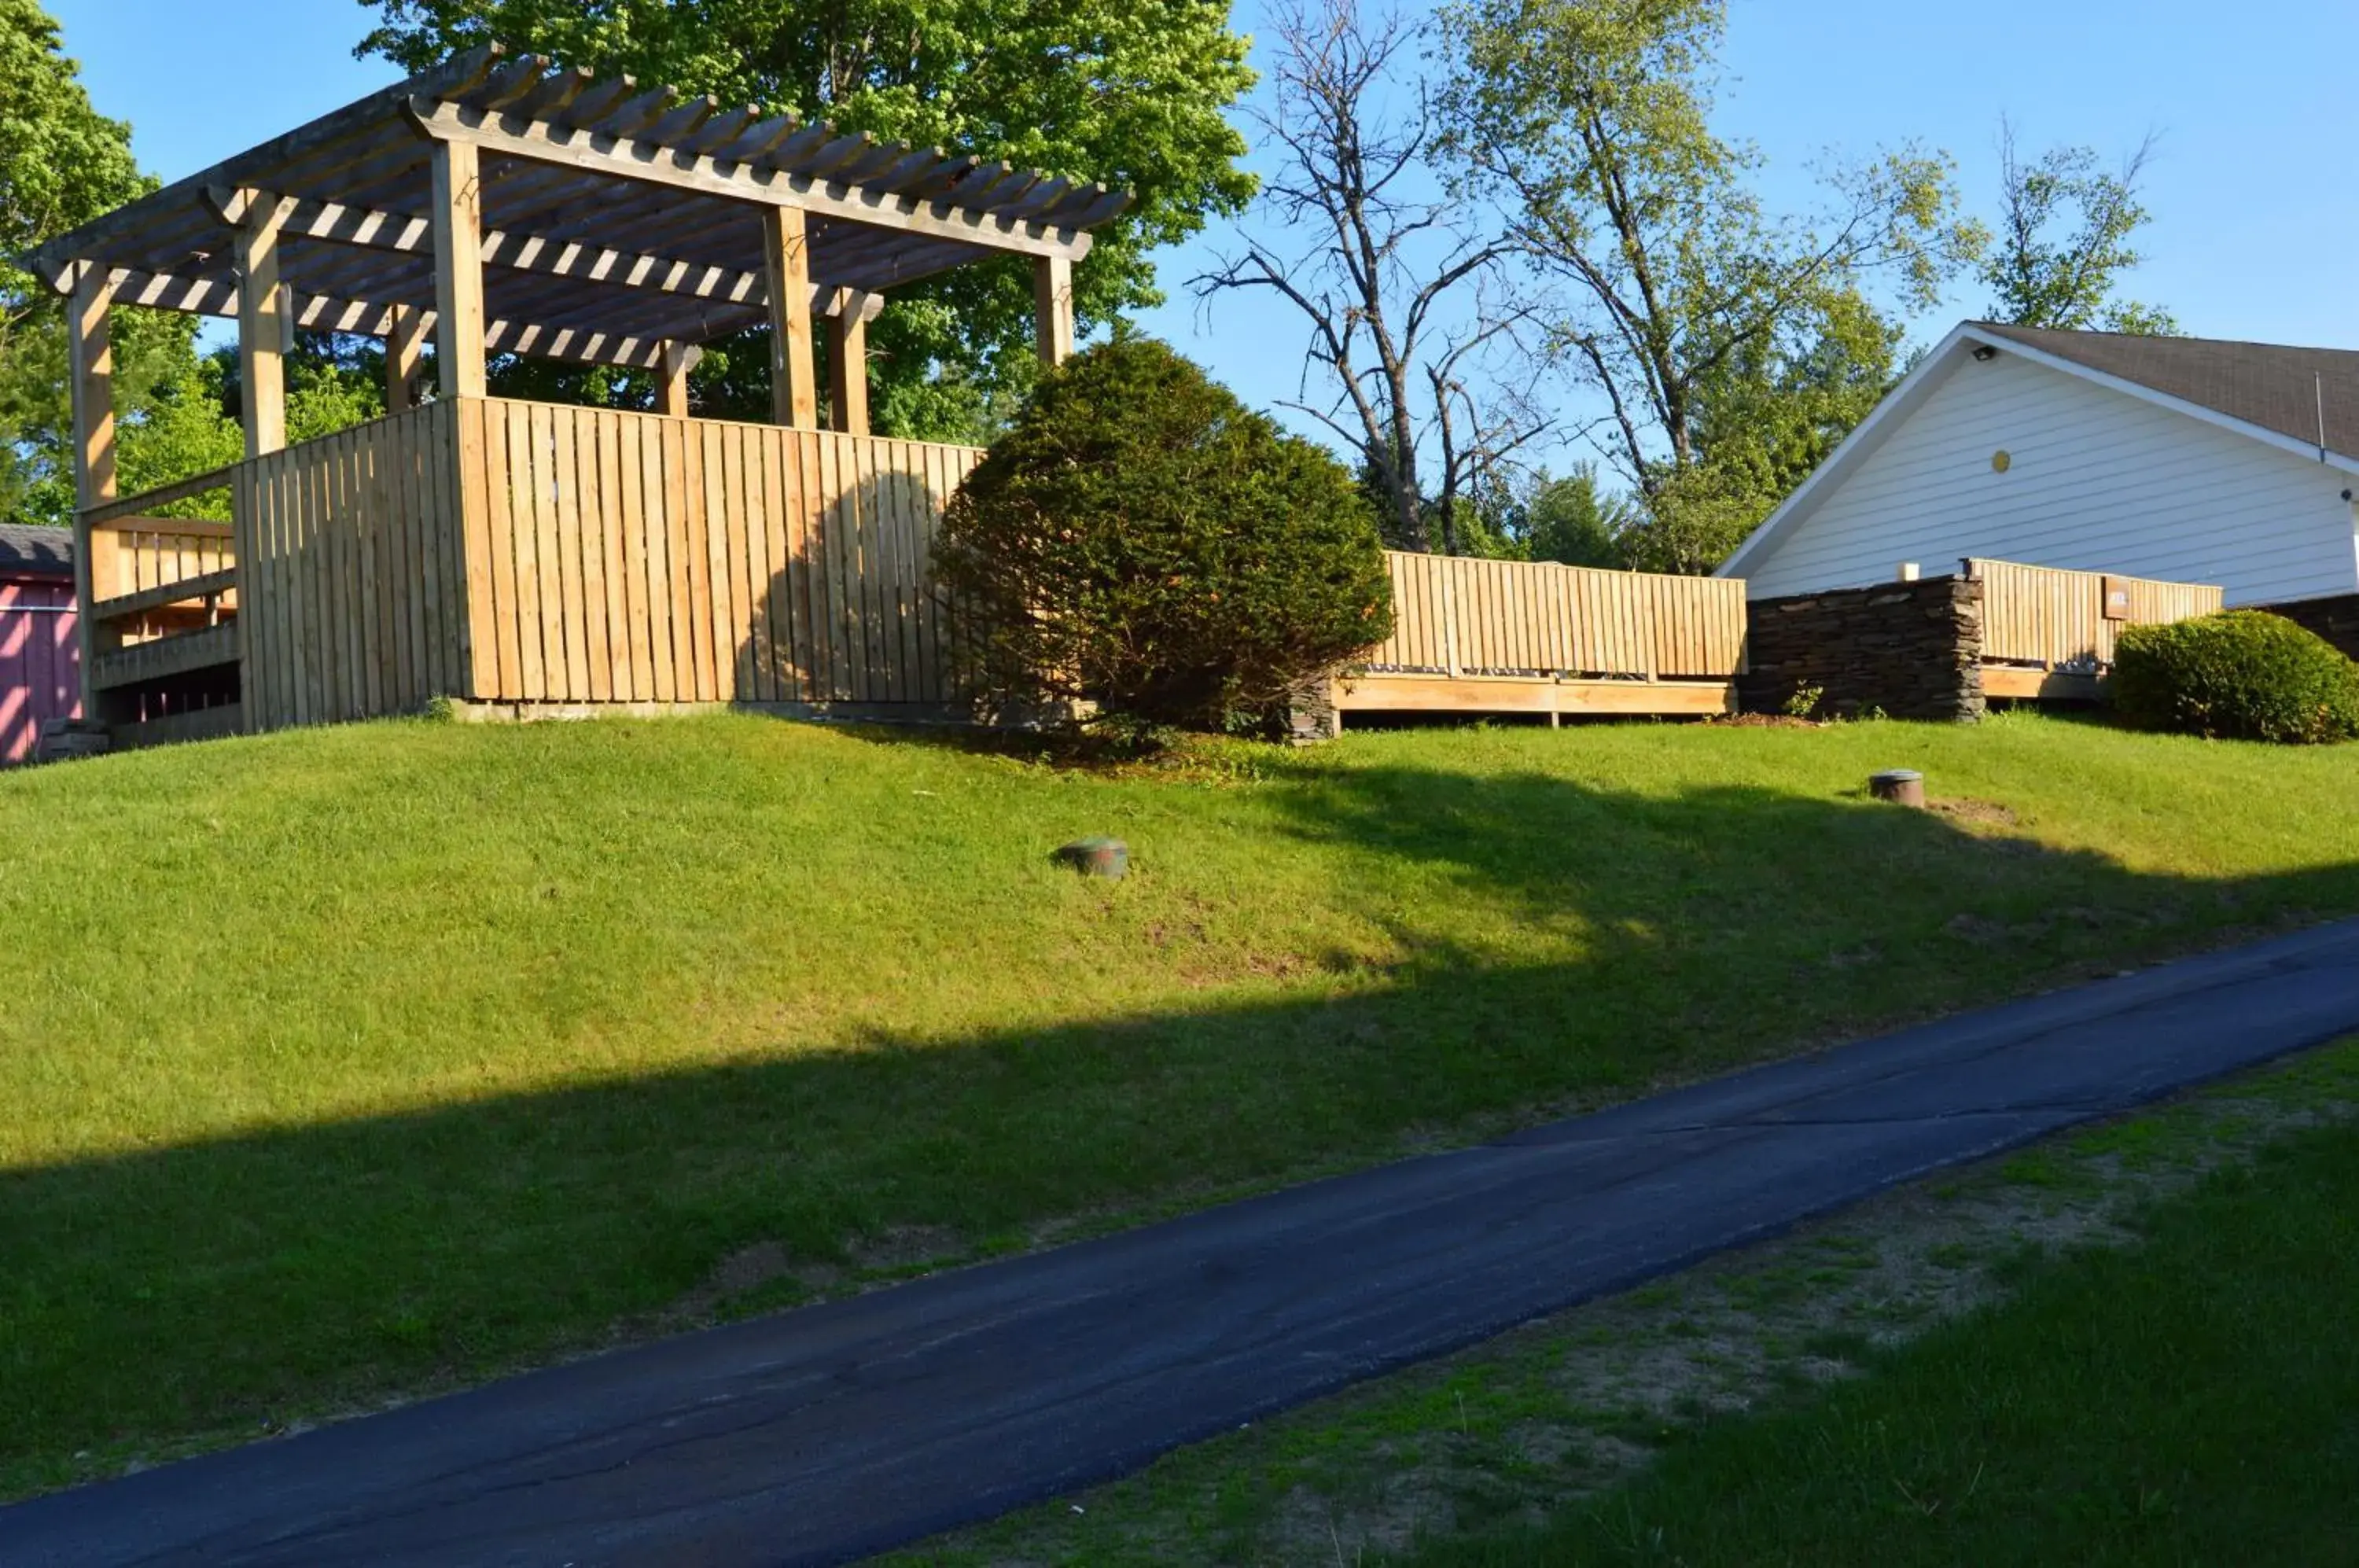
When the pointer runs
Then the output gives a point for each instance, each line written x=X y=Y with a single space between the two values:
x=2100 y=481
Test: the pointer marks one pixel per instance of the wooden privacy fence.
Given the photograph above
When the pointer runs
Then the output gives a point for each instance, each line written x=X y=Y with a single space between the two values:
x=635 y=558
x=350 y=549
x=504 y=552
x=2072 y=620
x=1458 y=615
x=1532 y=637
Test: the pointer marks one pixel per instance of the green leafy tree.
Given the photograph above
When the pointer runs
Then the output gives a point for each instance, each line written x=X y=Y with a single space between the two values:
x=1764 y=423
x=1588 y=121
x=1141 y=539
x=2064 y=241
x=1129 y=95
x=1779 y=408
x=61 y=164
x=1575 y=521
x=191 y=424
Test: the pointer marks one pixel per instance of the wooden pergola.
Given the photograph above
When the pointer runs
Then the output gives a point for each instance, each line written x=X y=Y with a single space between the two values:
x=504 y=205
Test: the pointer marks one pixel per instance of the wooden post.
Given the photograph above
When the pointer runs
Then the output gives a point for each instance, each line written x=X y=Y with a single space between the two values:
x=458 y=269
x=671 y=381
x=264 y=329
x=90 y=353
x=793 y=401
x=404 y=345
x=1052 y=305
x=848 y=365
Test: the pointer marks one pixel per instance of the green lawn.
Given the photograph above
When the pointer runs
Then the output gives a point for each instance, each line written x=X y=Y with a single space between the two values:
x=2190 y=1399
x=355 y=1062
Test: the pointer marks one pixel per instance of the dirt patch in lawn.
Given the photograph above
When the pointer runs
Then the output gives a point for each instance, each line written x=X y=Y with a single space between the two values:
x=1980 y=813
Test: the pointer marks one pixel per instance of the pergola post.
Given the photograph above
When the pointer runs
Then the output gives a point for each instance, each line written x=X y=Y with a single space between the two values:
x=457 y=218
x=786 y=247
x=264 y=330
x=1052 y=305
x=847 y=365
x=404 y=344
x=671 y=381
x=90 y=350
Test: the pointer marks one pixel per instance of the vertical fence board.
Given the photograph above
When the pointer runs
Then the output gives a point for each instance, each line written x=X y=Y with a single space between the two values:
x=479 y=670
x=785 y=616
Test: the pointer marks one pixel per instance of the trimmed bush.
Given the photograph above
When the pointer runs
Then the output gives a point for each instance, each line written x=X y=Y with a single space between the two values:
x=1142 y=540
x=2241 y=675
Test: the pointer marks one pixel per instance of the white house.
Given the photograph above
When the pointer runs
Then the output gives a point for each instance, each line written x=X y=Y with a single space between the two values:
x=2176 y=457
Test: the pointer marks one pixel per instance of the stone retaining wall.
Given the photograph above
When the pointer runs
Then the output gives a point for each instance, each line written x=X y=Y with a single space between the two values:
x=2335 y=620
x=1909 y=650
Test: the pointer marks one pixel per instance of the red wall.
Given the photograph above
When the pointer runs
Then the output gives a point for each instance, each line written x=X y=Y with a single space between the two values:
x=39 y=663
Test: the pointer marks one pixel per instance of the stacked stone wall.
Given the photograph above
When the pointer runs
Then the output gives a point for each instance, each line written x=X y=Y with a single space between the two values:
x=1908 y=650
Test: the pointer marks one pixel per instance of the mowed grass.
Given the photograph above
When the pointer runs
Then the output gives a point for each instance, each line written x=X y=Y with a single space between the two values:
x=2191 y=1399
x=344 y=1064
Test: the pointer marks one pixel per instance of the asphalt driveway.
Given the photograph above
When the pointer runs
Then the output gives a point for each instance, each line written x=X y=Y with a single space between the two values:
x=836 y=1430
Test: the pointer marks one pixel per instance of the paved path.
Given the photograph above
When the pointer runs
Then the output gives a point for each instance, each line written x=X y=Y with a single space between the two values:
x=838 y=1429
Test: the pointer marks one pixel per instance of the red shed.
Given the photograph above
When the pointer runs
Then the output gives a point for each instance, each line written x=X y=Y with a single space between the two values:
x=40 y=663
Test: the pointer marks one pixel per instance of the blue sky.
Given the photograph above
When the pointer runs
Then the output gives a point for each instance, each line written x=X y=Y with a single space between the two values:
x=2254 y=192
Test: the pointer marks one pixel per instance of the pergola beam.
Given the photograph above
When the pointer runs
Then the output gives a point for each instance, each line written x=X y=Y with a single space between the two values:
x=325 y=138
x=578 y=260
x=648 y=160
x=313 y=313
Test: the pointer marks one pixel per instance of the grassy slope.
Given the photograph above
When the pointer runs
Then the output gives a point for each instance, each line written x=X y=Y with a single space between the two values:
x=350 y=1062
x=2190 y=1399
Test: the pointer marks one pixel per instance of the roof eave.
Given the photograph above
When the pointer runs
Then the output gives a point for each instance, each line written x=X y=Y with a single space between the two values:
x=2344 y=462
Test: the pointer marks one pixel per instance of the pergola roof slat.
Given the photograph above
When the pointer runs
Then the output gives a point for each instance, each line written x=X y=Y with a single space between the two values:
x=602 y=201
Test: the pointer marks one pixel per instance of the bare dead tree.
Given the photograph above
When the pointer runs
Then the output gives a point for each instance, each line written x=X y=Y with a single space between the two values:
x=1383 y=251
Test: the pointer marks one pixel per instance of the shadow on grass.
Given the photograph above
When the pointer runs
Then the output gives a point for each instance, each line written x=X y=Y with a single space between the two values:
x=213 y=1290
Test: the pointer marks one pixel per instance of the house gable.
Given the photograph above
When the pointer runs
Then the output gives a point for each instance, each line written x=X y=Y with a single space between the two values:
x=2097 y=477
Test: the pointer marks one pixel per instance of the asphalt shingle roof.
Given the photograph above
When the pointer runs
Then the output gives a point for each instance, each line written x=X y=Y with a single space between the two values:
x=2273 y=386
x=27 y=551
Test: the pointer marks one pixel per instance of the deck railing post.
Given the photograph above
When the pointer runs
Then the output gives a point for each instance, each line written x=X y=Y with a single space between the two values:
x=786 y=247
x=265 y=328
x=1053 y=308
x=458 y=269
x=90 y=345
x=404 y=344
x=672 y=380
x=848 y=364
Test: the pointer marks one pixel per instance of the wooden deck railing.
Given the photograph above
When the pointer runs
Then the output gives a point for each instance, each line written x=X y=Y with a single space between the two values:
x=1456 y=616
x=2055 y=619
x=155 y=578
x=130 y=555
